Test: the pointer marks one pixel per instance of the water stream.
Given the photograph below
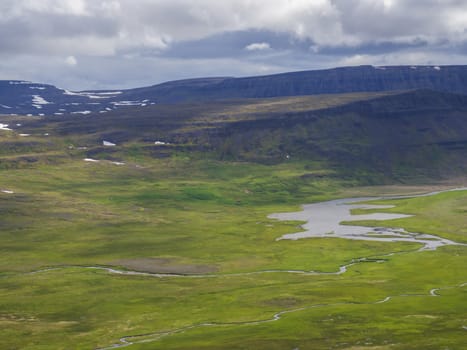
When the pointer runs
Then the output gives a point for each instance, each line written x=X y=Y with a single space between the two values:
x=322 y=220
x=152 y=337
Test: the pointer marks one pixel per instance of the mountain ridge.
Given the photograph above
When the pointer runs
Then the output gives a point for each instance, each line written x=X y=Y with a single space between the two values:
x=21 y=97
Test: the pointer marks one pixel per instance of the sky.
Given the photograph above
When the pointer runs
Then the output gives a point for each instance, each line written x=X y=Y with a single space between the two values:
x=112 y=44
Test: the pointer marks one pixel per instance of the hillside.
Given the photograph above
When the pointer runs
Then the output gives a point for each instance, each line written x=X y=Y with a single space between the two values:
x=36 y=99
x=387 y=136
x=20 y=97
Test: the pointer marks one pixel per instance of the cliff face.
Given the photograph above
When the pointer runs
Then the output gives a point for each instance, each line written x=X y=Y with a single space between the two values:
x=353 y=79
x=331 y=81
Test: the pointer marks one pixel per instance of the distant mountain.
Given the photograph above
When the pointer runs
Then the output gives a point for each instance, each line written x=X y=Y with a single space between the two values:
x=330 y=81
x=27 y=98
x=19 y=97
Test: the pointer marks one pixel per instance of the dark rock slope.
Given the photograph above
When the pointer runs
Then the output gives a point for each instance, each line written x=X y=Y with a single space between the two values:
x=331 y=81
x=18 y=97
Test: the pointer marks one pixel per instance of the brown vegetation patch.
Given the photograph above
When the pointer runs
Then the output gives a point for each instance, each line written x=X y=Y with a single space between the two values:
x=383 y=347
x=283 y=302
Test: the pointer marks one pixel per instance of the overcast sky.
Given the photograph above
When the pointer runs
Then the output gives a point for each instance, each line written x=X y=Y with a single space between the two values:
x=91 y=44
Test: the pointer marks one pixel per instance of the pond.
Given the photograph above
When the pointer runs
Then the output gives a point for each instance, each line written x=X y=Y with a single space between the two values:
x=324 y=220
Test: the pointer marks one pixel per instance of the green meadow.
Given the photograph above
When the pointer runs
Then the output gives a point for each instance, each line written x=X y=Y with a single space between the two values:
x=215 y=275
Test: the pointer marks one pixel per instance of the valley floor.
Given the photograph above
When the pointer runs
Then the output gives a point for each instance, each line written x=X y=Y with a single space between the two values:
x=179 y=253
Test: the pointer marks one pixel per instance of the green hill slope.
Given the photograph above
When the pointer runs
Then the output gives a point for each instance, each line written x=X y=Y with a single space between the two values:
x=392 y=136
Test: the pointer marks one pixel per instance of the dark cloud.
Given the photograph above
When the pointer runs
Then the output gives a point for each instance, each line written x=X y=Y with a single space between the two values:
x=373 y=48
x=234 y=44
x=399 y=19
x=26 y=34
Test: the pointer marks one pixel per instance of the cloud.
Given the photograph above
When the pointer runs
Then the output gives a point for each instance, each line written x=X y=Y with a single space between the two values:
x=71 y=61
x=263 y=35
x=157 y=23
x=257 y=46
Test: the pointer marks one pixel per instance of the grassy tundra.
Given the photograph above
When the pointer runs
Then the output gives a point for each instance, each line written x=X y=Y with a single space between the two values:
x=196 y=263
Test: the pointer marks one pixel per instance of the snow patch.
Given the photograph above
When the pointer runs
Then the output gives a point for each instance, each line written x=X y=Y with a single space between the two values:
x=91 y=160
x=93 y=95
x=160 y=143
x=71 y=93
x=118 y=163
x=81 y=112
x=39 y=100
x=126 y=103
x=7 y=191
x=108 y=143
x=437 y=68
x=98 y=96
x=103 y=93
x=20 y=82
x=5 y=106
x=24 y=135
x=37 y=87
x=4 y=127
